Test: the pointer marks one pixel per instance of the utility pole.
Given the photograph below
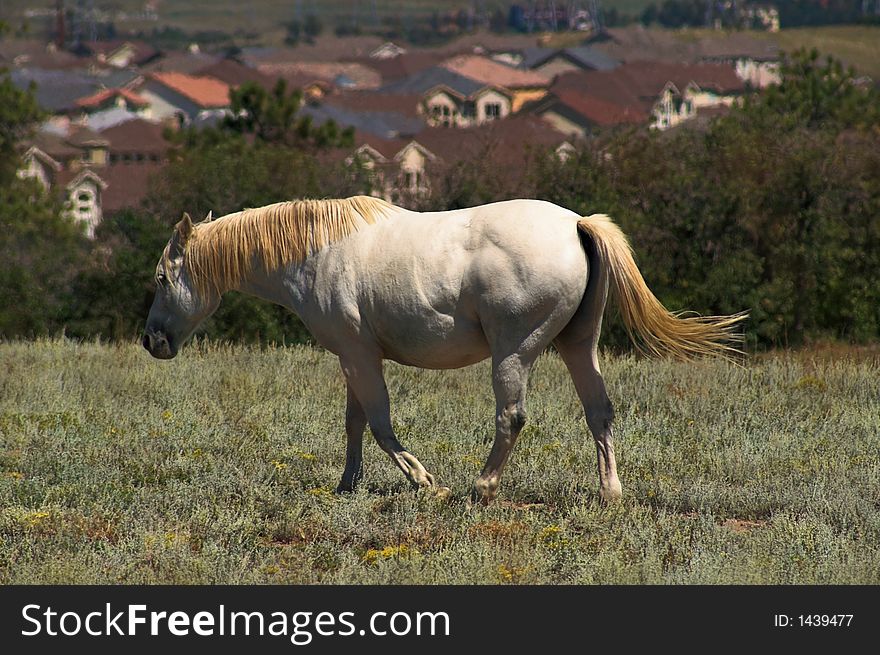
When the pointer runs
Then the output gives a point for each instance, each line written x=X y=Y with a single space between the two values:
x=60 y=36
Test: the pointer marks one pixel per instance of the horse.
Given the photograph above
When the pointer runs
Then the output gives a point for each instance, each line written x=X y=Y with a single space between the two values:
x=372 y=281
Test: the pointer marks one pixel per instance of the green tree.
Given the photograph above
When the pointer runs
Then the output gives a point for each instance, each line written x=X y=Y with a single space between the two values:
x=41 y=250
x=18 y=114
x=273 y=117
x=42 y=253
x=816 y=93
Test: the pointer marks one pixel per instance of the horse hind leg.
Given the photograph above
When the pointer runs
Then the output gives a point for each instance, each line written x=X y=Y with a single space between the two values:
x=509 y=381
x=581 y=359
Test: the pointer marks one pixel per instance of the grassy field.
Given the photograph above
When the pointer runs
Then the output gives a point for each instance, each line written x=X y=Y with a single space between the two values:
x=218 y=466
x=259 y=14
x=855 y=45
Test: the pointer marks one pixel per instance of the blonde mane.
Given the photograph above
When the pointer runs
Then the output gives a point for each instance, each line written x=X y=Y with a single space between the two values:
x=221 y=253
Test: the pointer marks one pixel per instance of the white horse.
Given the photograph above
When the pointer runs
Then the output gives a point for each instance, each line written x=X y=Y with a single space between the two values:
x=440 y=290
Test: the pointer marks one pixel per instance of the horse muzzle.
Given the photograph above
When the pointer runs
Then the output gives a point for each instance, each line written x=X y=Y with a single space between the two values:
x=158 y=345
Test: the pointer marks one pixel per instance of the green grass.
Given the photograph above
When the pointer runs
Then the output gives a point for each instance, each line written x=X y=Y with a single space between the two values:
x=218 y=466
x=857 y=46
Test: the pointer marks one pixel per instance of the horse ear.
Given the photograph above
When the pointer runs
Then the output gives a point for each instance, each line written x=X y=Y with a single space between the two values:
x=210 y=216
x=184 y=229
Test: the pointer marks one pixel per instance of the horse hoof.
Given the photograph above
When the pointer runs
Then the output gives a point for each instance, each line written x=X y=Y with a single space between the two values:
x=442 y=493
x=610 y=494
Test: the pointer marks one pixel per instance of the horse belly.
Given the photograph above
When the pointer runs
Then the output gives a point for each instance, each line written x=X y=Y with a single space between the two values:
x=431 y=340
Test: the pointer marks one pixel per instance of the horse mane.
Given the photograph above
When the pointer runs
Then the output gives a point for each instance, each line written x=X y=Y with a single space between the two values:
x=221 y=253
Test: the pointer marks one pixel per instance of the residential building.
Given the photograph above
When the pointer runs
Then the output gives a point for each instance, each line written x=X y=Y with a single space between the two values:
x=184 y=97
x=387 y=50
x=660 y=95
x=522 y=85
x=551 y=62
x=448 y=99
x=97 y=174
x=118 y=54
x=404 y=170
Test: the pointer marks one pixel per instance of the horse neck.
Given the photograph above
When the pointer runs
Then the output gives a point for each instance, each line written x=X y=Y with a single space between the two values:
x=269 y=285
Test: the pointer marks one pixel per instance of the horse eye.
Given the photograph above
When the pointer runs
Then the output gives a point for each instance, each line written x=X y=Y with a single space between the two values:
x=161 y=278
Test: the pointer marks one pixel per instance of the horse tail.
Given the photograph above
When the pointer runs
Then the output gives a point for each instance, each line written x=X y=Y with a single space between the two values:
x=652 y=328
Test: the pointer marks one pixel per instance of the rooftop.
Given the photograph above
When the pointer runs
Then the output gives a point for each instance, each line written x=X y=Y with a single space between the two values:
x=434 y=77
x=488 y=72
x=137 y=136
x=99 y=98
x=587 y=58
x=206 y=92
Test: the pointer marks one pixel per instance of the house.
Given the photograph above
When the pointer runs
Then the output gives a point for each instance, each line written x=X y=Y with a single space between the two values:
x=349 y=74
x=659 y=94
x=83 y=191
x=97 y=174
x=387 y=50
x=448 y=99
x=118 y=54
x=757 y=72
x=35 y=53
x=405 y=65
x=189 y=63
x=524 y=86
x=79 y=187
x=383 y=115
x=56 y=90
x=113 y=98
x=404 y=170
x=136 y=141
x=185 y=97
x=398 y=168
x=551 y=62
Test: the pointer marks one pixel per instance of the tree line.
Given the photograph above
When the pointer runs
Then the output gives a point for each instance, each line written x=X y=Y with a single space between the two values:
x=773 y=208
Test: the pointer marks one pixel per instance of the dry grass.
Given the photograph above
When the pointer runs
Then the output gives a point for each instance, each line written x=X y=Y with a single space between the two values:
x=217 y=467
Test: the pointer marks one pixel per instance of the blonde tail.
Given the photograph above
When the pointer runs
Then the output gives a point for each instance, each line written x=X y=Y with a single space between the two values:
x=652 y=327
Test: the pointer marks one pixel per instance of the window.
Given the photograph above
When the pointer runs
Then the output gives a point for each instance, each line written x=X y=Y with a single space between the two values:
x=84 y=197
x=493 y=111
x=408 y=180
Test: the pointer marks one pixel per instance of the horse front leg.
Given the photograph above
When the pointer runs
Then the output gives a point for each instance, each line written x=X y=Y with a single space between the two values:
x=355 y=424
x=365 y=379
x=509 y=380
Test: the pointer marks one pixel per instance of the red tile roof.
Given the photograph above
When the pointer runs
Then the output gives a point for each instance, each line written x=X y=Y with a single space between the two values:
x=487 y=71
x=102 y=96
x=206 y=92
x=599 y=111
x=627 y=94
x=136 y=136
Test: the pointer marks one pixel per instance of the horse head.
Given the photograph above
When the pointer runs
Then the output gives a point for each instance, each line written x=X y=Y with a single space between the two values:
x=178 y=306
